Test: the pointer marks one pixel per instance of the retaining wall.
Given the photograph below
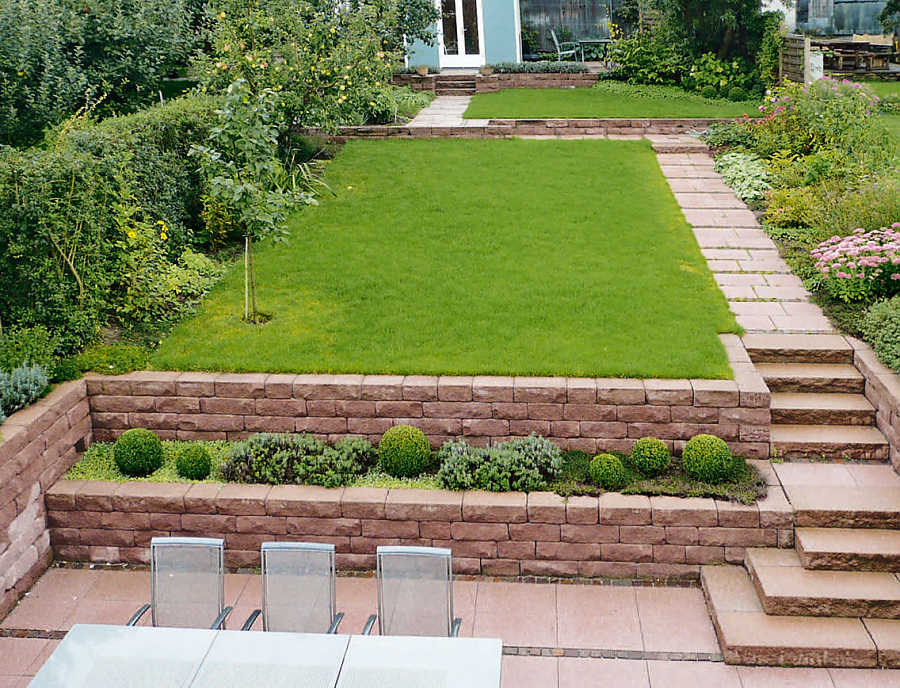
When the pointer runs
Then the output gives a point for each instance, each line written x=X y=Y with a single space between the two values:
x=495 y=82
x=39 y=444
x=883 y=392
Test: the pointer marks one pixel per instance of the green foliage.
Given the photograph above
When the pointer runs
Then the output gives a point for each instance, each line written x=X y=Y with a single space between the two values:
x=521 y=465
x=138 y=452
x=56 y=55
x=540 y=67
x=721 y=75
x=650 y=456
x=737 y=94
x=890 y=15
x=709 y=92
x=881 y=327
x=646 y=59
x=404 y=452
x=21 y=387
x=33 y=346
x=608 y=472
x=193 y=462
x=113 y=359
x=391 y=104
x=746 y=174
x=730 y=135
x=97 y=463
x=398 y=23
x=65 y=369
x=708 y=458
x=768 y=59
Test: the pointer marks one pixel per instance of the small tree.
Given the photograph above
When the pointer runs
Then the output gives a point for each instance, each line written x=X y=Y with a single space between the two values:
x=890 y=15
x=244 y=173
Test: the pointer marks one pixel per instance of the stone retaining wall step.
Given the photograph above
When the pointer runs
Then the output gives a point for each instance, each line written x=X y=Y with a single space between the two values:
x=839 y=506
x=855 y=442
x=798 y=348
x=848 y=549
x=812 y=377
x=797 y=408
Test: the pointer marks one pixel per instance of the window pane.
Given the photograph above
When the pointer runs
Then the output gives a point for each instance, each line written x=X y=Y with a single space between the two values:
x=470 y=26
x=448 y=10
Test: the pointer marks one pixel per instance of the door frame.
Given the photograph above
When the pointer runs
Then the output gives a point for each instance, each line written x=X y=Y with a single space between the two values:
x=461 y=61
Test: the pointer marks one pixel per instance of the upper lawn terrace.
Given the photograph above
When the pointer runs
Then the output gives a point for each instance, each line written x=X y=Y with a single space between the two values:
x=462 y=257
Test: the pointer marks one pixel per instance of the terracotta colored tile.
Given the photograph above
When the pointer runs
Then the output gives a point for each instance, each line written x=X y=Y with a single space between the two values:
x=814 y=474
x=694 y=674
x=111 y=612
x=464 y=597
x=43 y=656
x=601 y=673
x=865 y=678
x=675 y=620
x=239 y=615
x=59 y=583
x=598 y=617
x=132 y=586
x=12 y=681
x=43 y=613
x=235 y=584
x=529 y=672
x=18 y=654
x=518 y=614
x=781 y=677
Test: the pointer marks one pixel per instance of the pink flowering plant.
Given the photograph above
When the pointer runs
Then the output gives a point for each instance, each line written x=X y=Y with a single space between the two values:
x=862 y=266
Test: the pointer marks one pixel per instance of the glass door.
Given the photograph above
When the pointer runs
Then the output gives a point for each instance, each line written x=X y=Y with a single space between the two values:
x=461 y=40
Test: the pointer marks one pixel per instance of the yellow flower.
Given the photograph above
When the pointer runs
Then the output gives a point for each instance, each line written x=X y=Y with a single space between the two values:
x=20 y=73
x=131 y=235
x=342 y=87
x=349 y=188
x=163 y=236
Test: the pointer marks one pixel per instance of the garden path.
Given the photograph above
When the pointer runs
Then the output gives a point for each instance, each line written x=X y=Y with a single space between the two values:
x=446 y=111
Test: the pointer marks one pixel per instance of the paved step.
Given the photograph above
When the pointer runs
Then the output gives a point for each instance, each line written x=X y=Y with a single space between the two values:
x=749 y=636
x=787 y=589
x=680 y=147
x=797 y=408
x=848 y=549
x=798 y=348
x=454 y=91
x=839 y=506
x=829 y=442
x=833 y=378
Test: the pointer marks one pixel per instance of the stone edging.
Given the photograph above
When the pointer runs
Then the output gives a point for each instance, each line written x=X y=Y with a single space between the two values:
x=496 y=82
x=505 y=534
x=883 y=392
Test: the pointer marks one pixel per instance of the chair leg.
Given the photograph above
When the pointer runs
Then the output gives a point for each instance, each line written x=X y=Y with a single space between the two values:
x=367 y=629
x=137 y=615
x=337 y=622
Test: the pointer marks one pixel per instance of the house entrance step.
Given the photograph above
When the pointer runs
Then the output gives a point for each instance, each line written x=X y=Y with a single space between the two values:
x=835 y=378
x=799 y=408
x=750 y=636
x=842 y=442
x=840 y=506
x=798 y=348
x=848 y=549
x=787 y=589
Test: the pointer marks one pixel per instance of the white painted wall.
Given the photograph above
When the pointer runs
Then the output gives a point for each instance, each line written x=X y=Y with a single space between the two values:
x=790 y=13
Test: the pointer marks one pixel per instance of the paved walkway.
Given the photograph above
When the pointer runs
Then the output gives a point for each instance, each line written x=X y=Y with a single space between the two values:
x=563 y=636
x=446 y=111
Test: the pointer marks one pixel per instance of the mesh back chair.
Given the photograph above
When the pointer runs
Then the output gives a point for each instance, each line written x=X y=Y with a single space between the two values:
x=298 y=588
x=415 y=592
x=187 y=588
x=566 y=48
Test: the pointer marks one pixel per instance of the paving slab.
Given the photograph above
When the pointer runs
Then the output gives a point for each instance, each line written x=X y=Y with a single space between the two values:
x=848 y=549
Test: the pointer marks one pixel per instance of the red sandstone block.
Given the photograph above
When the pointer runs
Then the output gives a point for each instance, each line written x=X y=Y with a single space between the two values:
x=514 y=549
x=355 y=562
x=341 y=543
x=733 y=515
x=615 y=551
x=69 y=553
x=304 y=501
x=581 y=390
x=526 y=427
x=568 y=550
x=241 y=385
x=589 y=412
x=363 y=502
x=546 y=507
x=479 y=531
x=589 y=533
x=180 y=404
x=154 y=383
x=694 y=414
x=61 y=497
x=605 y=430
x=739 y=537
x=549 y=568
x=607 y=569
x=265 y=526
x=210 y=423
x=493 y=507
x=617 y=391
x=585 y=444
x=650 y=535
x=500 y=567
x=682 y=535
x=493 y=389
x=735 y=555
x=328 y=387
x=124 y=520
x=382 y=387
x=196 y=384
x=247 y=542
x=380 y=528
x=121 y=404
x=466 y=566
x=107 y=538
x=565 y=429
x=324 y=408
x=369 y=426
x=201 y=498
x=775 y=511
x=111 y=421
x=435 y=530
x=74 y=519
x=212 y=523
x=456 y=409
x=745 y=416
x=510 y=411
x=321 y=426
x=433 y=426
x=754 y=435
x=534 y=532
x=228 y=406
x=152 y=497
x=420 y=388
x=424 y=505
x=662 y=571
x=356 y=409
x=279 y=386
x=453 y=388
x=154 y=421
x=482 y=549
x=485 y=427
x=398 y=409
x=550 y=390
x=65 y=536
x=545 y=411
x=166 y=522
x=678 y=511
x=715 y=393
x=669 y=392
x=269 y=424
x=701 y=554
x=95 y=495
x=322 y=526
x=242 y=500
x=583 y=510
x=785 y=538
x=669 y=554
x=625 y=510
x=644 y=414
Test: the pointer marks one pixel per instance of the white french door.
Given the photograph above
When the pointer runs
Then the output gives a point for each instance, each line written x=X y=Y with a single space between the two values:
x=461 y=36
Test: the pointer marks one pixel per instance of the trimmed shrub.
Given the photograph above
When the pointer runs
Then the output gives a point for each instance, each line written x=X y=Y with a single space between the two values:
x=650 y=456
x=708 y=458
x=709 y=92
x=21 y=387
x=27 y=346
x=608 y=472
x=881 y=326
x=737 y=94
x=522 y=465
x=138 y=452
x=336 y=466
x=193 y=462
x=113 y=359
x=404 y=451
x=65 y=369
x=540 y=67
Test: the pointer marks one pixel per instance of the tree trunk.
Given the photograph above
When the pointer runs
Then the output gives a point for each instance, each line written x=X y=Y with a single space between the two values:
x=246 y=279
x=253 y=307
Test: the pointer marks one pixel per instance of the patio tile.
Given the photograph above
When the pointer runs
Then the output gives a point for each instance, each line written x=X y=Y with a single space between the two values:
x=43 y=656
x=13 y=682
x=865 y=678
x=17 y=655
x=112 y=612
x=60 y=583
x=43 y=613
x=814 y=474
x=529 y=672
x=604 y=617
x=601 y=673
x=519 y=614
x=120 y=585
x=780 y=677
x=874 y=476
x=694 y=674
x=755 y=322
x=675 y=620
x=235 y=585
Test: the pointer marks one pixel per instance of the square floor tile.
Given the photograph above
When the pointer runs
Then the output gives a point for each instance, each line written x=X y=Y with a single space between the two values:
x=63 y=583
x=814 y=474
x=874 y=476
x=602 y=673
x=865 y=678
x=111 y=612
x=518 y=614
x=43 y=613
x=529 y=672
x=603 y=617
x=693 y=674
x=132 y=586
x=782 y=677
x=18 y=654
x=675 y=620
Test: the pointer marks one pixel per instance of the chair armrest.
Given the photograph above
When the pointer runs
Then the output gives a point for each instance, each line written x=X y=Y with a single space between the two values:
x=137 y=615
x=367 y=629
x=248 y=624
x=454 y=629
x=337 y=622
x=220 y=620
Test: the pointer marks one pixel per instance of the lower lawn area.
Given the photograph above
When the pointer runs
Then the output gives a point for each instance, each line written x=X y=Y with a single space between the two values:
x=606 y=100
x=495 y=257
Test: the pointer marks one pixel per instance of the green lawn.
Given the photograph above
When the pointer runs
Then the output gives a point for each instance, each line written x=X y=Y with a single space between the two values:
x=476 y=256
x=606 y=100
x=884 y=89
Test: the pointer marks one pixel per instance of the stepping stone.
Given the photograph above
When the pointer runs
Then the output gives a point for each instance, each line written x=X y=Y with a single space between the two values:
x=812 y=377
x=749 y=636
x=798 y=408
x=855 y=442
x=787 y=589
x=838 y=506
x=848 y=549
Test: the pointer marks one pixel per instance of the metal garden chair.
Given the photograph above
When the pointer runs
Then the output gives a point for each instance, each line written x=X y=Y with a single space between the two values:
x=415 y=592
x=298 y=588
x=187 y=583
x=567 y=48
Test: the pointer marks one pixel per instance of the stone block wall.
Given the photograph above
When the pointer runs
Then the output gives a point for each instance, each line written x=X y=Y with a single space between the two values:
x=39 y=444
x=883 y=392
x=495 y=82
x=508 y=534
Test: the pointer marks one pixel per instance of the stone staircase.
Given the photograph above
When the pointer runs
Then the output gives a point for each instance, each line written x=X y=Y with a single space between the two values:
x=819 y=409
x=454 y=85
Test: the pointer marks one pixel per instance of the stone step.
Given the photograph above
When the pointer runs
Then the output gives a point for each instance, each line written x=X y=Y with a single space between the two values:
x=750 y=636
x=841 y=506
x=848 y=549
x=798 y=348
x=828 y=378
x=787 y=589
x=828 y=442
x=454 y=91
x=680 y=147
x=798 y=408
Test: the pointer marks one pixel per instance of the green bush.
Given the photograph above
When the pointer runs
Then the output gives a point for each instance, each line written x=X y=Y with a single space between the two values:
x=709 y=92
x=113 y=359
x=721 y=75
x=65 y=369
x=138 y=452
x=769 y=56
x=608 y=472
x=33 y=346
x=737 y=94
x=193 y=462
x=336 y=466
x=746 y=174
x=21 y=387
x=540 y=67
x=647 y=59
x=650 y=456
x=522 y=465
x=404 y=452
x=708 y=458
x=881 y=327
